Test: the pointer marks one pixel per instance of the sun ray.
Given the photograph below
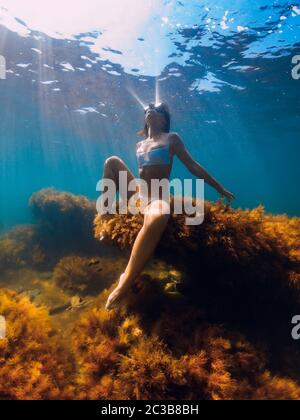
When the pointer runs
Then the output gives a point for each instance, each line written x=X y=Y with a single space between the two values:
x=157 y=92
x=135 y=96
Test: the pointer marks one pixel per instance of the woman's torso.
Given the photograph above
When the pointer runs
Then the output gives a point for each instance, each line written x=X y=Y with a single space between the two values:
x=155 y=158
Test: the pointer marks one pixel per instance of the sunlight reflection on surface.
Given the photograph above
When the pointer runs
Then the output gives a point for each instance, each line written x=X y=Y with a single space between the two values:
x=68 y=18
x=143 y=36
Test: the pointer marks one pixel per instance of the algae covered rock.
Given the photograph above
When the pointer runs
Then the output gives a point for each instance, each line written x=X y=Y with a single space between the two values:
x=21 y=248
x=178 y=356
x=77 y=274
x=64 y=221
x=86 y=275
x=210 y=317
x=63 y=227
x=33 y=365
x=239 y=264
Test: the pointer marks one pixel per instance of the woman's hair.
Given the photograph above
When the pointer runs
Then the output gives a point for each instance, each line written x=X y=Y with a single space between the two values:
x=164 y=110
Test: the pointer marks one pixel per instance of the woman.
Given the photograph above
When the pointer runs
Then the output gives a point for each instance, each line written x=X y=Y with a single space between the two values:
x=155 y=158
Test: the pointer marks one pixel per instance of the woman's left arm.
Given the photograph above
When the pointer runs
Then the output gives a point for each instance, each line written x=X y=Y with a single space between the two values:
x=195 y=168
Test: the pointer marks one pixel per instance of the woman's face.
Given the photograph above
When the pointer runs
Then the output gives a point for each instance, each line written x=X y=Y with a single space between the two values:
x=154 y=115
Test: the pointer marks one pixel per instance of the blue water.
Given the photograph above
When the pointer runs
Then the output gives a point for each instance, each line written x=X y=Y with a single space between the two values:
x=69 y=99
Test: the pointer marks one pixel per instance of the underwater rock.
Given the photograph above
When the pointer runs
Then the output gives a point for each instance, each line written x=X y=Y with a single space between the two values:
x=239 y=264
x=178 y=356
x=85 y=275
x=75 y=274
x=21 y=248
x=64 y=227
x=240 y=270
x=121 y=355
x=64 y=222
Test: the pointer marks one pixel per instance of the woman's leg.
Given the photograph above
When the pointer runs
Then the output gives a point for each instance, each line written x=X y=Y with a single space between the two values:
x=112 y=168
x=155 y=222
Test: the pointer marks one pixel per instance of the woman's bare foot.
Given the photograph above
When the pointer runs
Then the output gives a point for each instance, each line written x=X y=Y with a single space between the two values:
x=116 y=296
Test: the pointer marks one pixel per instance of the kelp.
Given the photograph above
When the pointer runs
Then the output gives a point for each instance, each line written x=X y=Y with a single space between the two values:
x=33 y=364
x=84 y=275
x=119 y=358
x=98 y=348
x=113 y=355
x=241 y=234
x=215 y=326
x=240 y=264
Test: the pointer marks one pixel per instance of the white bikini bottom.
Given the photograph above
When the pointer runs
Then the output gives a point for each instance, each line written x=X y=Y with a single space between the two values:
x=161 y=205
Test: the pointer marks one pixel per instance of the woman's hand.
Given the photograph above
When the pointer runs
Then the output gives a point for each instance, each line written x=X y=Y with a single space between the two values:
x=114 y=299
x=117 y=295
x=228 y=195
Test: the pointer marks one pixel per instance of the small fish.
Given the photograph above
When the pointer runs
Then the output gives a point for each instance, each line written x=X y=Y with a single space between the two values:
x=45 y=276
x=58 y=310
x=30 y=294
x=76 y=303
x=94 y=262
